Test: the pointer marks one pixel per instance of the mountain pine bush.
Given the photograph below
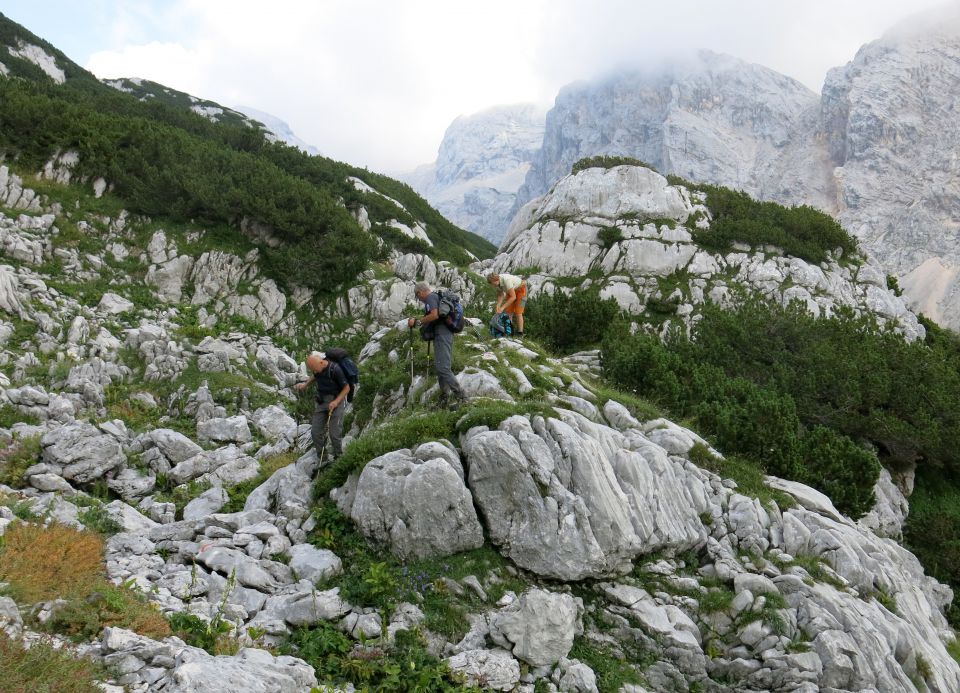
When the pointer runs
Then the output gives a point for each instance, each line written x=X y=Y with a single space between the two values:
x=568 y=323
x=805 y=397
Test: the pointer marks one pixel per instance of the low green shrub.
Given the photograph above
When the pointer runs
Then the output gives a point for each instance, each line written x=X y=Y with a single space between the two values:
x=609 y=236
x=803 y=231
x=404 y=666
x=97 y=519
x=607 y=162
x=569 y=323
x=197 y=632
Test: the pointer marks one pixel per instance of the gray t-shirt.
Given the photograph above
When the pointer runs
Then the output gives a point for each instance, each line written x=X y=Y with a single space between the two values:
x=431 y=303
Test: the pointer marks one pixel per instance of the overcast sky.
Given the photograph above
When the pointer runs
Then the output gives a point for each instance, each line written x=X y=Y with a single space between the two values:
x=376 y=82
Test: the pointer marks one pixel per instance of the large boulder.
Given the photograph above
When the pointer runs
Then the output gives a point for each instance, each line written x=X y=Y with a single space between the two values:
x=571 y=498
x=539 y=627
x=81 y=453
x=250 y=670
x=417 y=503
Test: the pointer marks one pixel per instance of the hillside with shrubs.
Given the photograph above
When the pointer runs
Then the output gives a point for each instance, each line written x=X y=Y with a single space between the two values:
x=692 y=475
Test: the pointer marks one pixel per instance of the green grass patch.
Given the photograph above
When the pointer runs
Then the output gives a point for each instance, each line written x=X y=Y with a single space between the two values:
x=612 y=669
x=47 y=669
x=608 y=162
x=16 y=457
x=404 y=431
x=10 y=415
x=748 y=475
x=491 y=413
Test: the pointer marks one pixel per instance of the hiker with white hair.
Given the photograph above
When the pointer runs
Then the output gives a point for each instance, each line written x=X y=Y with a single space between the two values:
x=332 y=391
x=436 y=330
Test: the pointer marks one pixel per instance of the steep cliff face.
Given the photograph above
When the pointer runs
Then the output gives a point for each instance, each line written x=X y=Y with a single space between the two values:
x=481 y=163
x=889 y=120
x=713 y=119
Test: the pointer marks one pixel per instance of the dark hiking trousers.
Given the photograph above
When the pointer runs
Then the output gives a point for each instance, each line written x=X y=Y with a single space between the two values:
x=323 y=422
x=443 y=358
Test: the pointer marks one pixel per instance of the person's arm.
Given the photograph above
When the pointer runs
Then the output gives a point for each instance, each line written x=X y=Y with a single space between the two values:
x=504 y=299
x=425 y=320
x=305 y=384
x=338 y=400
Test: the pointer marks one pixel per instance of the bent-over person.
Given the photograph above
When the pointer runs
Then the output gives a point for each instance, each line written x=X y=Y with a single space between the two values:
x=332 y=391
x=511 y=297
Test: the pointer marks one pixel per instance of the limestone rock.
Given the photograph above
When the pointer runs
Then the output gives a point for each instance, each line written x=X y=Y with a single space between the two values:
x=539 y=627
x=419 y=506
x=492 y=669
x=81 y=452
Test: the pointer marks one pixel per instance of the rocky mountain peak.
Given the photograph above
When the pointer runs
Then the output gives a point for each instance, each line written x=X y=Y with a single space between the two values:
x=711 y=118
x=889 y=122
x=481 y=163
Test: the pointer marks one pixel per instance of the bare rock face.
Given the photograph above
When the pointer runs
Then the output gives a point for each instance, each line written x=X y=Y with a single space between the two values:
x=713 y=119
x=889 y=121
x=482 y=161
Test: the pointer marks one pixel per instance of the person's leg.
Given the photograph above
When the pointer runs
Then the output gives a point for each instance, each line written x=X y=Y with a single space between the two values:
x=318 y=428
x=519 y=306
x=443 y=357
x=336 y=430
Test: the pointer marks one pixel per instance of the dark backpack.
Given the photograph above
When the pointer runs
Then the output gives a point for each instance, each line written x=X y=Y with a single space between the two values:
x=450 y=309
x=501 y=325
x=350 y=371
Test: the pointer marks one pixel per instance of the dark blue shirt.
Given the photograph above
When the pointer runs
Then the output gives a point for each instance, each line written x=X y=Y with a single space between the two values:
x=331 y=380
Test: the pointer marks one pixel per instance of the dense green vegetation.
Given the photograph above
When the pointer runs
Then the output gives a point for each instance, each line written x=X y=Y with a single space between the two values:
x=802 y=231
x=165 y=161
x=932 y=531
x=607 y=162
x=568 y=323
x=804 y=398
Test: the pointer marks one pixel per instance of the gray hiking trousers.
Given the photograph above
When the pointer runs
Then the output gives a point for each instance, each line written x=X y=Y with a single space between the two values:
x=443 y=358
x=323 y=422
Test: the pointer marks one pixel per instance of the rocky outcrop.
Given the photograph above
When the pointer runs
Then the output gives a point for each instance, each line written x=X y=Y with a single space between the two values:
x=416 y=502
x=562 y=236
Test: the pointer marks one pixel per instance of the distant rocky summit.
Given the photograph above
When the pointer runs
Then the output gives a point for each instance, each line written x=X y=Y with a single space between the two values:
x=889 y=123
x=875 y=149
x=482 y=161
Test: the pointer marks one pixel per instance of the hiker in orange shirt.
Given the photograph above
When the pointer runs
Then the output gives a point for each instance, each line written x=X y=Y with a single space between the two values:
x=511 y=297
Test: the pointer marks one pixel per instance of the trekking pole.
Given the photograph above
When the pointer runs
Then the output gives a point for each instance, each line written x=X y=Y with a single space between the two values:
x=427 y=374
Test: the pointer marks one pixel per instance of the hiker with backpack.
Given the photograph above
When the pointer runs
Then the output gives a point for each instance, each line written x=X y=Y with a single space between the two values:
x=511 y=297
x=442 y=318
x=332 y=392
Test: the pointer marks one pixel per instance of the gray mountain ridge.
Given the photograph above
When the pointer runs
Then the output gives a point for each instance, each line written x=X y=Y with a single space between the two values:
x=875 y=149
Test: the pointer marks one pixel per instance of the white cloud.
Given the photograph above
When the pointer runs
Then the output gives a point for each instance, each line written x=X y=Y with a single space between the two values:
x=377 y=82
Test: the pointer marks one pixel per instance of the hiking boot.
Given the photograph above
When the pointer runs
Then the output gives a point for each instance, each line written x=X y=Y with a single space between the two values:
x=518 y=335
